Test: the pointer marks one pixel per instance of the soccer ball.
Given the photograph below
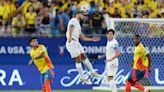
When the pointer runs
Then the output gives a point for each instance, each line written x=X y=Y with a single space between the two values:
x=85 y=8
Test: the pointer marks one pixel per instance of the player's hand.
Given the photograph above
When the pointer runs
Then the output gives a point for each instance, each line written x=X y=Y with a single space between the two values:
x=69 y=40
x=149 y=70
x=95 y=39
x=131 y=65
x=108 y=60
x=100 y=56
x=30 y=62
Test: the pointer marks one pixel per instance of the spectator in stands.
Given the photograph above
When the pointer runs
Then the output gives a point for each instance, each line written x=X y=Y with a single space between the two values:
x=4 y=11
x=30 y=17
x=45 y=28
x=12 y=9
x=74 y=8
x=92 y=7
x=136 y=12
x=117 y=3
x=53 y=14
x=116 y=13
x=110 y=8
x=24 y=6
x=145 y=14
x=64 y=19
x=35 y=4
x=96 y=21
x=18 y=24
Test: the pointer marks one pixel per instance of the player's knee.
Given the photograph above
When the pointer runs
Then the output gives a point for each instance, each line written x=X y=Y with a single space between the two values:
x=110 y=78
x=129 y=80
x=83 y=57
x=78 y=59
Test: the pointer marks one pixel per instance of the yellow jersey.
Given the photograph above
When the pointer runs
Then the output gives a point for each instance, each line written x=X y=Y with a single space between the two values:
x=140 y=59
x=16 y=22
x=25 y=6
x=30 y=18
x=4 y=12
x=12 y=9
x=40 y=63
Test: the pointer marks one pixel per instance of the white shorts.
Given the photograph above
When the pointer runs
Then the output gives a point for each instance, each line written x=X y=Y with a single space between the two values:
x=74 y=48
x=111 y=68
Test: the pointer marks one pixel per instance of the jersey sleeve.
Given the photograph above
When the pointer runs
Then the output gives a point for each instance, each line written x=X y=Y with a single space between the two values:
x=116 y=46
x=13 y=22
x=31 y=54
x=144 y=51
x=43 y=49
x=72 y=22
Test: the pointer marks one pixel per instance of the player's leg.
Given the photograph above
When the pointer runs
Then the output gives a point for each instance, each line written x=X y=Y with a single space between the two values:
x=139 y=76
x=111 y=72
x=79 y=66
x=134 y=76
x=42 y=77
x=48 y=85
x=80 y=70
x=88 y=64
x=75 y=53
x=48 y=81
x=73 y=49
x=128 y=86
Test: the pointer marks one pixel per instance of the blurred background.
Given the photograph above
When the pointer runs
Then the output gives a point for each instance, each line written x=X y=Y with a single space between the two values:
x=47 y=20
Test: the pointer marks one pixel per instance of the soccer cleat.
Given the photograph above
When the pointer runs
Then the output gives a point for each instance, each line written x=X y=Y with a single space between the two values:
x=86 y=81
x=96 y=75
x=147 y=90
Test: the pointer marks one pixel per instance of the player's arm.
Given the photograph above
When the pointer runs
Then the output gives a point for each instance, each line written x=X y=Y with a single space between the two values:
x=94 y=39
x=39 y=56
x=70 y=28
x=117 y=53
x=149 y=60
x=101 y=56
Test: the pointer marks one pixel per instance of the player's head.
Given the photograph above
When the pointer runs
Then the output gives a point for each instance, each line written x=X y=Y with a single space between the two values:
x=137 y=39
x=33 y=42
x=80 y=15
x=110 y=34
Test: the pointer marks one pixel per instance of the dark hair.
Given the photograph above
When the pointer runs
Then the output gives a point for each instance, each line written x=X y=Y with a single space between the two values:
x=137 y=35
x=31 y=39
x=111 y=30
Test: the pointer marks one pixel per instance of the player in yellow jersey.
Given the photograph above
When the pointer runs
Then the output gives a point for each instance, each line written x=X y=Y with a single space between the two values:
x=42 y=61
x=141 y=63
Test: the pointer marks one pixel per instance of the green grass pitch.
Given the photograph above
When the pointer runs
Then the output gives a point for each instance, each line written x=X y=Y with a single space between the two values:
x=75 y=91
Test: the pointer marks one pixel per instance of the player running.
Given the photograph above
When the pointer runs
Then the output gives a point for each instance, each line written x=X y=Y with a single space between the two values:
x=74 y=47
x=112 y=53
x=141 y=63
x=42 y=61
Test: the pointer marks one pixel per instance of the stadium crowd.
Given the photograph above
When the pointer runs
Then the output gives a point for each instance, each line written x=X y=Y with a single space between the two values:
x=50 y=17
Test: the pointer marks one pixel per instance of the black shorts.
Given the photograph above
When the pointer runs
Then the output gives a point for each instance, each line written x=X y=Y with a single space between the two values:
x=31 y=29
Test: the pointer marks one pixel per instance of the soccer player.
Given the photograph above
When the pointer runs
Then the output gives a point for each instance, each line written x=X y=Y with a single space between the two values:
x=74 y=47
x=141 y=63
x=42 y=61
x=112 y=53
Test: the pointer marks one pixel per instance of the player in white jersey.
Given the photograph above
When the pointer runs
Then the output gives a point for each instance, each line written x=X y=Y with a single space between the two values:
x=75 y=49
x=112 y=52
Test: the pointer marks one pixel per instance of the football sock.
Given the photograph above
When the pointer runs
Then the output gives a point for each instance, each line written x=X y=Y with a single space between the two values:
x=113 y=85
x=88 y=64
x=47 y=85
x=128 y=86
x=79 y=69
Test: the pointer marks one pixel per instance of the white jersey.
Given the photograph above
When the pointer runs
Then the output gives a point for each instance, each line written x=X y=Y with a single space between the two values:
x=76 y=31
x=110 y=49
x=111 y=67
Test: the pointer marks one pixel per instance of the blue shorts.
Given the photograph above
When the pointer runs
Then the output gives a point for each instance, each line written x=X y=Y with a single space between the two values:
x=44 y=76
x=136 y=75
